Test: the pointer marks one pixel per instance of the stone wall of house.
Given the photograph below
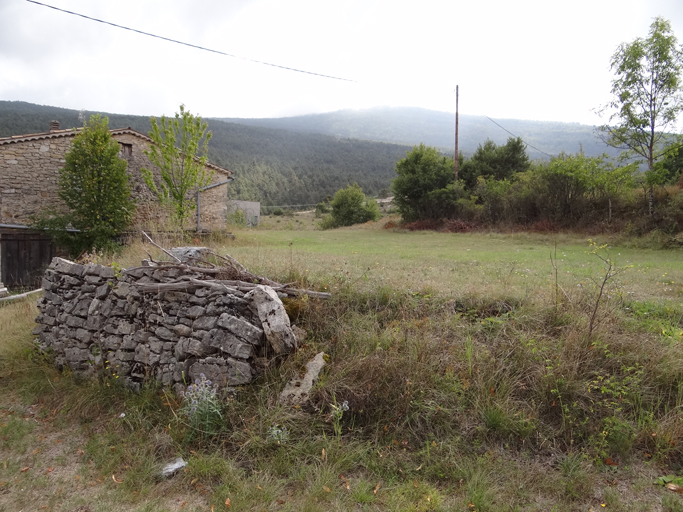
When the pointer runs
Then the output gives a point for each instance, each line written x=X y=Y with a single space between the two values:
x=94 y=321
x=29 y=176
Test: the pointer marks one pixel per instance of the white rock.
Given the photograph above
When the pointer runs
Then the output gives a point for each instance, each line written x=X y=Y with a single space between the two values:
x=297 y=391
x=274 y=320
x=170 y=468
x=185 y=254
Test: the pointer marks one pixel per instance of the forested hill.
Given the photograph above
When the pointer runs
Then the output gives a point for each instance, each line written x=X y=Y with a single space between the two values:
x=275 y=166
x=415 y=125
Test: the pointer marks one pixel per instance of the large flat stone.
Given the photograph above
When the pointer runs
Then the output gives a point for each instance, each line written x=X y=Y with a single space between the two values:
x=204 y=323
x=241 y=328
x=227 y=342
x=228 y=372
x=273 y=318
x=67 y=267
x=187 y=347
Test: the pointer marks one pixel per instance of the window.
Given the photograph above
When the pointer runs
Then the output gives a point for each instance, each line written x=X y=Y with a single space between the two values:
x=126 y=150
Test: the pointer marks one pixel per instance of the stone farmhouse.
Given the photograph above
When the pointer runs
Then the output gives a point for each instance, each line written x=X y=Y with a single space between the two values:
x=29 y=176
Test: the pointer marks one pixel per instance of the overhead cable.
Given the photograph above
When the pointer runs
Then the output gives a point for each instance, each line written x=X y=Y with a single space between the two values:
x=518 y=137
x=189 y=44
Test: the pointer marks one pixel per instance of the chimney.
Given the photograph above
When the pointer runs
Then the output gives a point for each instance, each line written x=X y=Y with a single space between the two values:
x=54 y=126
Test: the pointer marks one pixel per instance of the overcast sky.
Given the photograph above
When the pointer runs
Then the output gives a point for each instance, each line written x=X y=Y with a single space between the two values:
x=525 y=59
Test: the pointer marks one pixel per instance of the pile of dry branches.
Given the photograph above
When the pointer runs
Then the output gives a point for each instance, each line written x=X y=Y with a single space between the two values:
x=230 y=276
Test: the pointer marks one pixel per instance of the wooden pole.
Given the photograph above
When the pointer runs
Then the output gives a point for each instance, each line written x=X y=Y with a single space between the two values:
x=456 y=133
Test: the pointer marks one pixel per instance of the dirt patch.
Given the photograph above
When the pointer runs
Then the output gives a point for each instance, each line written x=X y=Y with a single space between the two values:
x=43 y=466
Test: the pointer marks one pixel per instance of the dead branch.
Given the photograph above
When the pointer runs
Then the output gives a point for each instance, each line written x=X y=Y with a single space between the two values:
x=215 y=285
x=232 y=261
x=159 y=247
x=245 y=282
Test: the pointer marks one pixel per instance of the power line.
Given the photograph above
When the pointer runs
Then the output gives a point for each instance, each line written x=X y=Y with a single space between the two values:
x=189 y=44
x=237 y=57
x=287 y=205
x=516 y=136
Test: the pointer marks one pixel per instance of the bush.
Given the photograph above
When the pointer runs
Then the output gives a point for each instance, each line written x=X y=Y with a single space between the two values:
x=322 y=208
x=421 y=172
x=350 y=206
x=237 y=218
x=278 y=212
x=496 y=162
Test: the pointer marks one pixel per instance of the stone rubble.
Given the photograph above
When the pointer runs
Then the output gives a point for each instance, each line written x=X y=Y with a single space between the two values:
x=94 y=320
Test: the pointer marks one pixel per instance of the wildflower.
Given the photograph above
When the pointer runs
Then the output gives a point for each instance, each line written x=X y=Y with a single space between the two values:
x=277 y=434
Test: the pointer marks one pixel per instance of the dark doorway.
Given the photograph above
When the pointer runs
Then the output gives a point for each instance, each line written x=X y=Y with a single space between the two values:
x=23 y=258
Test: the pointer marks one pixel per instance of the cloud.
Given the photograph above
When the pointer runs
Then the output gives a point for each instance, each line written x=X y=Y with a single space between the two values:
x=529 y=59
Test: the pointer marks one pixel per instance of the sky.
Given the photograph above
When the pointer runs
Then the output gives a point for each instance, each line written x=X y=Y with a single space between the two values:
x=528 y=59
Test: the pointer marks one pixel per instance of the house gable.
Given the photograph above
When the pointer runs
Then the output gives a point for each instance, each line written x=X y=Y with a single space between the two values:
x=29 y=177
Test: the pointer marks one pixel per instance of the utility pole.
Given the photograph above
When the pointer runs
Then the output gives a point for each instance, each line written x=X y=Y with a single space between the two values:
x=456 y=133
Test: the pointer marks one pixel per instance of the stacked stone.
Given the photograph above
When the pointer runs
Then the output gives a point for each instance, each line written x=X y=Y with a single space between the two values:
x=92 y=320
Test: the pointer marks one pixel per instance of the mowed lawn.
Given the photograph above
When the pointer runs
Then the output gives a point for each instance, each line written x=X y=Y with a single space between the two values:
x=480 y=263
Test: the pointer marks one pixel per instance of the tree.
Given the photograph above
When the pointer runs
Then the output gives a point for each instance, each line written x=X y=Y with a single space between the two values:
x=94 y=186
x=496 y=162
x=179 y=152
x=349 y=207
x=422 y=171
x=672 y=163
x=647 y=97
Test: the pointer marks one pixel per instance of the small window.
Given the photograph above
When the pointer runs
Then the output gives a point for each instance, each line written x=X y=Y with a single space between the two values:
x=126 y=150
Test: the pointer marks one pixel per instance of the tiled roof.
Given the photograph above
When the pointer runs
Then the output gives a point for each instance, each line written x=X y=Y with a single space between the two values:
x=54 y=134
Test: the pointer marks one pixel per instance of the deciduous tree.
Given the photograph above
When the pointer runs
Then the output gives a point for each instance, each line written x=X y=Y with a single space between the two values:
x=179 y=152
x=647 y=97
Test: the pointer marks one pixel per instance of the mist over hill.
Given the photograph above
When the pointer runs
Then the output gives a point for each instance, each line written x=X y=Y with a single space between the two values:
x=413 y=126
x=274 y=166
x=300 y=160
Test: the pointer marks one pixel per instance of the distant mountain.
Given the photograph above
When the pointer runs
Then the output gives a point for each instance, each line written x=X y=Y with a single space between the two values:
x=274 y=166
x=300 y=160
x=415 y=125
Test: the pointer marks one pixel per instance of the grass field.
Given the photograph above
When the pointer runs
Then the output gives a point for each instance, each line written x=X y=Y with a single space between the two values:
x=455 y=263
x=473 y=378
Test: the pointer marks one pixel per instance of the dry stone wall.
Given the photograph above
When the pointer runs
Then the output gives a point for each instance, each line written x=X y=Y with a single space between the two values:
x=92 y=320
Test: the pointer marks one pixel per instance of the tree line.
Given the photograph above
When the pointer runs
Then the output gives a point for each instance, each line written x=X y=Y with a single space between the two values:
x=273 y=166
x=640 y=191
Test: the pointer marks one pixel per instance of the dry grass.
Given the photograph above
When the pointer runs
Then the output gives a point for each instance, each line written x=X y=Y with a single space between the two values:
x=469 y=382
